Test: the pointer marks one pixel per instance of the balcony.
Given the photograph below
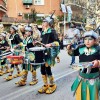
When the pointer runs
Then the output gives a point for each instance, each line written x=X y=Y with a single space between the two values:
x=3 y=6
x=15 y=20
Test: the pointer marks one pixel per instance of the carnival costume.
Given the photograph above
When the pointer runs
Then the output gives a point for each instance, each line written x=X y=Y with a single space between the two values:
x=1 y=28
x=15 y=40
x=3 y=50
x=48 y=37
x=27 y=42
x=87 y=84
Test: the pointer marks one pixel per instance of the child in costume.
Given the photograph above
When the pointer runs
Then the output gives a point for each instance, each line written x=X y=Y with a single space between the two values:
x=87 y=84
x=4 y=49
x=15 y=41
x=49 y=39
x=28 y=43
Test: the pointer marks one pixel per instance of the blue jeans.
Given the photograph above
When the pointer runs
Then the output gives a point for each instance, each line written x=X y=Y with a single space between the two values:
x=73 y=57
x=73 y=60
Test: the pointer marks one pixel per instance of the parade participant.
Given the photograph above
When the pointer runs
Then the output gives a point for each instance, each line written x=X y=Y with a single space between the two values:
x=4 y=47
x=61 y=40
x=1 y=28
x=21 y=30
x=56 y=37
x=90 y=25
x=29 y=43
x=15 y=40
x=29 y=32
x=36 y=33
x=87 y=84
x=48 y=38
x=71 y=35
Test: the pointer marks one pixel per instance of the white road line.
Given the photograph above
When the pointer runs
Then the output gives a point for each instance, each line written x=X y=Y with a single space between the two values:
x=65 y=75
x=30 y=89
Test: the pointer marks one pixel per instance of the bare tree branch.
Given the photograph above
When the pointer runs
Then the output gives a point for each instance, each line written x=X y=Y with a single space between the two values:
x=81 y=6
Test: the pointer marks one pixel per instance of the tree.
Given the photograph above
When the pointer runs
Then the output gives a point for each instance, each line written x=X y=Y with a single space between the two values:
x=34 y=14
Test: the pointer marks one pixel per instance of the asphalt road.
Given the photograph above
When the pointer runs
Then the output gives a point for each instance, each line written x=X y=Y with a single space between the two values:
x=64 y=77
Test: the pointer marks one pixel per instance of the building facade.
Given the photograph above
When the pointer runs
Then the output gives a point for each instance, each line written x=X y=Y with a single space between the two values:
x=3 y=8
x=22 y=9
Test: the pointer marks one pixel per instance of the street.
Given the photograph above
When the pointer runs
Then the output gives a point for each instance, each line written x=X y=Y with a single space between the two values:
x=64 y=77
x=49 y=23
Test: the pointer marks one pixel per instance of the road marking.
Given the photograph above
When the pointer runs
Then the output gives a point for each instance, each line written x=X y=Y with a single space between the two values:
x=65 y=75
x=28 y=89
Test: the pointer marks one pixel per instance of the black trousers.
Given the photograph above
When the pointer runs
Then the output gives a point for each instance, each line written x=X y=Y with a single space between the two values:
x=12 y=65
x=33 y=66
x=4 y=62
x=46 y=70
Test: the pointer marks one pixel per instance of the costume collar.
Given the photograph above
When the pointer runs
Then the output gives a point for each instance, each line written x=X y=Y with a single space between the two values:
x=46 y=31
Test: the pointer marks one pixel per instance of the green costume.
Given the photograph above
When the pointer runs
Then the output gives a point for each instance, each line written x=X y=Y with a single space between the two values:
x=26 y=65
x=54 y=50
x=87 y=84
x=3 y=60
x=14 y=40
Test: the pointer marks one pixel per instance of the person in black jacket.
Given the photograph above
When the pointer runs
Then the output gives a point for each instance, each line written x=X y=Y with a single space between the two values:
x=15 y=40
x=87 y=84
x=49 y=39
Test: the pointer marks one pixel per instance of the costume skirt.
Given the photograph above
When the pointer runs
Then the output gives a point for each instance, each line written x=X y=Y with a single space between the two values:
x=87 y=86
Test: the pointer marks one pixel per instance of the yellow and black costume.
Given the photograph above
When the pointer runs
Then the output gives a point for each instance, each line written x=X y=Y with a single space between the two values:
x=26 y=66
x=48 y=37
x=3 y=52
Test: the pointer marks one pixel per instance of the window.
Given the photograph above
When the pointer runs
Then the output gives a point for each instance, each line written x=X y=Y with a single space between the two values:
x=38 y=2
x=28 y=16
x=27 y=2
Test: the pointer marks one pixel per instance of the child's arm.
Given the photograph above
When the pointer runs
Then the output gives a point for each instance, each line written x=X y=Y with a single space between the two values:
x=99 y=63
x=70 y=50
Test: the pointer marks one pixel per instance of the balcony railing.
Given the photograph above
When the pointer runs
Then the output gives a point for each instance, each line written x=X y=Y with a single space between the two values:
x=3 y=5
x=12 y=20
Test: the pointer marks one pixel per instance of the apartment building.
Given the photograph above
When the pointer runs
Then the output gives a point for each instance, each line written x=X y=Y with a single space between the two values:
x=21 y=9
x=3 y=8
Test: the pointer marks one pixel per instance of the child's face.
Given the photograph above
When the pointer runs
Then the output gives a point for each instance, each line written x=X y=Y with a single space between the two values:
x=89 y=41
x=28 y=33
x=45 y=25
x=25 y=35
x=12 y=30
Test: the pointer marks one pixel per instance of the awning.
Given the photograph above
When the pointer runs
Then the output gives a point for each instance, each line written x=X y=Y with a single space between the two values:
x=27 y=2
